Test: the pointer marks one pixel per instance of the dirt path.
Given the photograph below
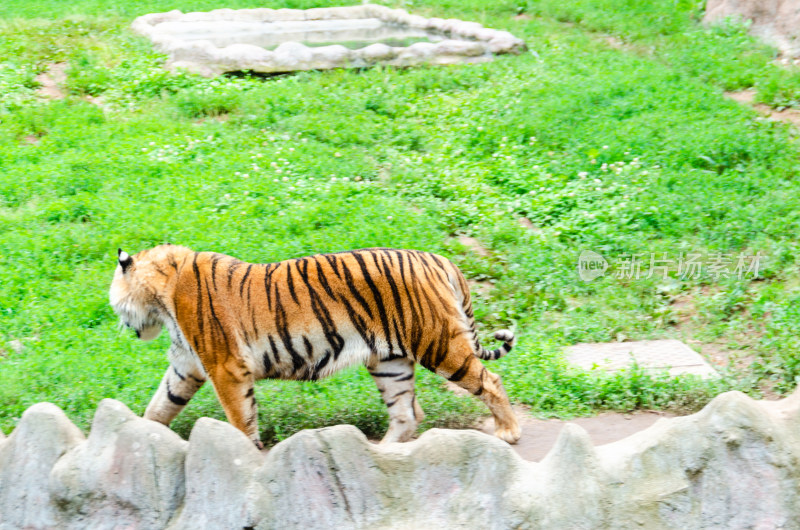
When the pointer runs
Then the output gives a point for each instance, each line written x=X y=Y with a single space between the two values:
x=51 y=81
x=539 y=436
x=747 y=97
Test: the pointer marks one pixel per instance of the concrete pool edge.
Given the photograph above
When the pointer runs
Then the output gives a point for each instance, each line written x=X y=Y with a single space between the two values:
x=204 y=58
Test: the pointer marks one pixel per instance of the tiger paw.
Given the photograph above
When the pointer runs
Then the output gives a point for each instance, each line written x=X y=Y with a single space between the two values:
x=509 y=434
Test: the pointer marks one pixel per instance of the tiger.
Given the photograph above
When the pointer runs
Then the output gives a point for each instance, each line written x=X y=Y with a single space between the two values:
x=303 y=319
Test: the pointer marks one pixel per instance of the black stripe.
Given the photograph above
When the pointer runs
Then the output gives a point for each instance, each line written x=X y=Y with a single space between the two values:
x=283 y=331
x=274 y=349
x=387 y=332
x=309 y=348
x=180 y=375
x=320 y=365
x=217 y=320
x=323 y=281
x=235 y=265
x=360 y=325
x=200 y=319
x=348 y=277
x=462 y=370
x=425 y=360
x=416 y=321
x=268 y=283
x=244 y=278
x=214 y=261
x=405 y=377
x=331 y=259
x=385 y=374
x=323 y=315
x=387 y=271
x=267 y=362
x=290 y=283
x=176 y=399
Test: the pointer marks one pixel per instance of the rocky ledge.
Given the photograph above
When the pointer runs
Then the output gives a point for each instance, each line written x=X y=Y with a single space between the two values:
x=466 y=42
x=735 y=464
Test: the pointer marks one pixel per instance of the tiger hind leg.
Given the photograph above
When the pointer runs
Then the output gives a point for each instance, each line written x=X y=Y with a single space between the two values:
x=464 y=369
x=395 y=381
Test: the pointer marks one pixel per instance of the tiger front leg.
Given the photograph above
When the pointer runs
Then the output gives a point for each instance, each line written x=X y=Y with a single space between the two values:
x=176 y=389
x=235 y=390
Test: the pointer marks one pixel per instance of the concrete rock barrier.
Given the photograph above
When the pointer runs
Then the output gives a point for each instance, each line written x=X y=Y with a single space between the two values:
x=735 y=464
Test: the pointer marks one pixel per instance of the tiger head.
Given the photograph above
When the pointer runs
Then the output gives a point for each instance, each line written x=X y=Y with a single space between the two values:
x=138 y=289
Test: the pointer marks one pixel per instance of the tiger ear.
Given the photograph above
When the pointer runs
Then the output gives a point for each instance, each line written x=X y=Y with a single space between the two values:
x=125 y=261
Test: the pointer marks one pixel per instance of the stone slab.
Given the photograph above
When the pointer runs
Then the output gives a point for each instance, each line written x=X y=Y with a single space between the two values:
x=671 y=355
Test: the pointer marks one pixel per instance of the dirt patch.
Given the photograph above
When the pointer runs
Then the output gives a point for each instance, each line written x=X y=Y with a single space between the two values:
x=480 y=287
x=527 y=223
x=51 y=80
x=615 y=42
x=539 y=436
x=474 y=245
x=747 y=97
x=31 y=139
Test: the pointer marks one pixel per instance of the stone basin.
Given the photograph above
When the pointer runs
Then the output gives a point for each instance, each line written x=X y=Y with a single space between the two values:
x=286 y=40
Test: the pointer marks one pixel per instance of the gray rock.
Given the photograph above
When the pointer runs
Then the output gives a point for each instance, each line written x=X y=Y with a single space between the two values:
x=450 y=479
x=220 y=490
x=129 y=472
x=377 y=52
x=735 y=464
x=42 y=436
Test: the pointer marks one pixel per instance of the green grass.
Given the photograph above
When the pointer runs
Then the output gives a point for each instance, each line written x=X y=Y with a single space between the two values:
x=621 y=151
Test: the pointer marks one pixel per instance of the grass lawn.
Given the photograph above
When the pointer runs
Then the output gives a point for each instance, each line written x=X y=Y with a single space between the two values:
x=612 y=134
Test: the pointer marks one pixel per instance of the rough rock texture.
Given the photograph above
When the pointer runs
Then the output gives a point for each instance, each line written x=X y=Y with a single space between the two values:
x=128 y=473
x=468 y=42
x=221 y=491
x=775 y=21
x=735 y=464
x=42 y=436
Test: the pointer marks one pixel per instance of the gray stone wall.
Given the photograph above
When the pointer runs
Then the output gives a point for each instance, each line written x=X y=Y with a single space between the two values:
x=735 y=464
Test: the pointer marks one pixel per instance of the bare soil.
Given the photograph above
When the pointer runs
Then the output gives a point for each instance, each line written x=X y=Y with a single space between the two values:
x=746 y=97
x=51 y=81
x=539 y=436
